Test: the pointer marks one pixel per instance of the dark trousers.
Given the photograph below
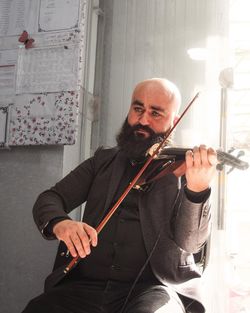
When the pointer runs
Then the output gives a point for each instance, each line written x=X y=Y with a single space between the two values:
x=106 y=297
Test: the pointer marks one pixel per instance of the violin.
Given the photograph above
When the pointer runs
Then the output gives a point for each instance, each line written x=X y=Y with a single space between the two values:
x=172 y=160
x=224 y=158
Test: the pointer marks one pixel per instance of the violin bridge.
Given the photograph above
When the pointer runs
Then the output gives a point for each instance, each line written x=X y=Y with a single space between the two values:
x=152 y=150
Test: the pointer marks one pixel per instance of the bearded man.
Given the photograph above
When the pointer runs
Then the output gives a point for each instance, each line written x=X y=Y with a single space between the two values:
x=142 y=261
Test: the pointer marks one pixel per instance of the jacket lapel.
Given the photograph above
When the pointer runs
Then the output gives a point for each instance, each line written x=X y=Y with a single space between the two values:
x=117 y=172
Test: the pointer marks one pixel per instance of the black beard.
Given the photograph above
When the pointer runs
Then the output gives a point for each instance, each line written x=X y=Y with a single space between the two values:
x=135 y=145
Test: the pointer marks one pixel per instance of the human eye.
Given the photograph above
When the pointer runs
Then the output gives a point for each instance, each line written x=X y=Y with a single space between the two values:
x=138 y=109
x=155 y=114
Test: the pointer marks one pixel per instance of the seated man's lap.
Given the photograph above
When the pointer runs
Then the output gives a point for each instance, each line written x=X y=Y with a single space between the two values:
x=155 y=299
x=109 y=297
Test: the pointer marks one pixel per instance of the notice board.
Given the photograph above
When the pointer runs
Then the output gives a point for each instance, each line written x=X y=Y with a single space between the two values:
x=42 y=53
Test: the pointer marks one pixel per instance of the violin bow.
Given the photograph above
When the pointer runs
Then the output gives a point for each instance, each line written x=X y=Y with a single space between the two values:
x=99 y=228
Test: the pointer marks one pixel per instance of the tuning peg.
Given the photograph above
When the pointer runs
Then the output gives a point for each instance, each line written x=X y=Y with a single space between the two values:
x=231 y=149
x=240 y=153
x=220 y=166
x=230 y=170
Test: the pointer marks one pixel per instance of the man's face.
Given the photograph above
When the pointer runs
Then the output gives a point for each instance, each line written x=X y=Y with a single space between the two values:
x=132 y=141
x=152 y=107
x=151 y=115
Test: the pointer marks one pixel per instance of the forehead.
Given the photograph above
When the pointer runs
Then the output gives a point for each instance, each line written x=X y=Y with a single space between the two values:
x=152 y=94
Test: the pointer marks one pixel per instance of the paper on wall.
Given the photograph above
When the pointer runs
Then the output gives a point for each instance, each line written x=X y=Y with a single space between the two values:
x=16 y=16
x=44 y=119
x=8 y=57
x=7 y=80
x=8 y=60
x=58 y=15
x=57 y=38
x=49 y=69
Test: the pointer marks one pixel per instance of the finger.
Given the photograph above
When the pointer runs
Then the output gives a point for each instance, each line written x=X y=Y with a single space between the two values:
x=204 y=155
x=78 y=245
x=70 y=247
x=91 y=233
x=196 y=156
x=189 y=159
x=85 y=240
x=212 y=156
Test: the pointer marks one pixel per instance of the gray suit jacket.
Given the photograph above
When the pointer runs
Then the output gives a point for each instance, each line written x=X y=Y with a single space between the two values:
x=179 y=226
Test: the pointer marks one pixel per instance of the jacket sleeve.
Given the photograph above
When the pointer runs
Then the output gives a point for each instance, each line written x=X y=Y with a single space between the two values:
x=192 y=223
x=65 y=196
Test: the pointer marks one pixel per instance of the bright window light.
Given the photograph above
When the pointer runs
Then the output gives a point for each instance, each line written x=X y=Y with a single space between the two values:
x=198 y=54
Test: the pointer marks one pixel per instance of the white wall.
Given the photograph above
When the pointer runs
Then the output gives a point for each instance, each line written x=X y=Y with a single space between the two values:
x=146 y=38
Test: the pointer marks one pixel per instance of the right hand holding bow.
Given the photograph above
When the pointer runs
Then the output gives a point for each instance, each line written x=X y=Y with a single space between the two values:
x=77 y=236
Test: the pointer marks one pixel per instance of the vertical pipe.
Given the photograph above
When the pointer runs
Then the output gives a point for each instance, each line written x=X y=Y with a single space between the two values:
x=223 y=146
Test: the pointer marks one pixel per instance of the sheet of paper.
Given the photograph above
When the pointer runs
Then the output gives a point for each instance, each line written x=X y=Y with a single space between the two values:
x=47 y=69
x=17 y=15
x=58 y=15
x=8 y=59
x=44 y=119
x=57 y=38
x=7 y=80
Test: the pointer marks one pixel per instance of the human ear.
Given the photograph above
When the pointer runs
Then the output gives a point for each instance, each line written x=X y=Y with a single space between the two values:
x=176 y=118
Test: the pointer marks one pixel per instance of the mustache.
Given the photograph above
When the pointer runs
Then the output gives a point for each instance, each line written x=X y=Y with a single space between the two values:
x=142 y=127
x=135 y=145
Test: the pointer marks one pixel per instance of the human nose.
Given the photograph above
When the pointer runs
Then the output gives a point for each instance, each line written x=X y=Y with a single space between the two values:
x=144 y=119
